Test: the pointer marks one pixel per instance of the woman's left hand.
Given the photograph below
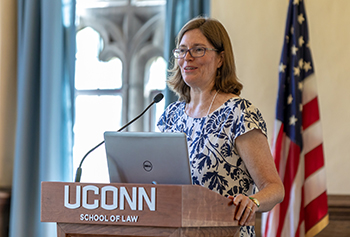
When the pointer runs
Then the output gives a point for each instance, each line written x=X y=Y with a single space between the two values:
x=245 y=209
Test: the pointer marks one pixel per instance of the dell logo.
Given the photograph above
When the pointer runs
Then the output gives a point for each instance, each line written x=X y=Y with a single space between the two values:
x=147 y=165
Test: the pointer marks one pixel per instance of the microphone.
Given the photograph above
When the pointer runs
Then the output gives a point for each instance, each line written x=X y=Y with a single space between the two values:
x=156 y=99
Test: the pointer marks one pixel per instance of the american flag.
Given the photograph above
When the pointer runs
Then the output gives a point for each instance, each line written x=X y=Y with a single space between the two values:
x=298 y=144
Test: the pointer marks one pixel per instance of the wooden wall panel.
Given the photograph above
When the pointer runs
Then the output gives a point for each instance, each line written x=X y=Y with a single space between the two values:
x=4 y=212
x=339 y=217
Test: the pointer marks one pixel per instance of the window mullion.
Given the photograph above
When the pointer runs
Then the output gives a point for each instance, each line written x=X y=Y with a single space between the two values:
x=99 y=92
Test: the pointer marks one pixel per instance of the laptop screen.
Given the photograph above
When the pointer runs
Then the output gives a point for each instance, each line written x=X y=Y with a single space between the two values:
x=147 y=157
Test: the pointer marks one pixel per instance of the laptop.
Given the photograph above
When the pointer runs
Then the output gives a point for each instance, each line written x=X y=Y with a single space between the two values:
x=147 y=157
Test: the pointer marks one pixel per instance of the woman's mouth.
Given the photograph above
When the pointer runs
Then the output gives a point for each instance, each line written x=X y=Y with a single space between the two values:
x=188 y=68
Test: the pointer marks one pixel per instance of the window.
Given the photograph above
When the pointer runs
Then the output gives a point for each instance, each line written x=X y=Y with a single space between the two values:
x=155 y=83
x=98 y=103
x=119 y=69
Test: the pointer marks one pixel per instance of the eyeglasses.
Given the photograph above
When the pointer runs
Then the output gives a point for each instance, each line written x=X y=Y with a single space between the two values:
x=195 y=52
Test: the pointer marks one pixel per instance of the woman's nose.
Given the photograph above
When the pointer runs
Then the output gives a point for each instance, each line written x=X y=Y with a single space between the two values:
x=188 y=56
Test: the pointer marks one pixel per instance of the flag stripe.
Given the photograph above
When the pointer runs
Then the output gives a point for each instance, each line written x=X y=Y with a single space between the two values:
x=318 y=211
x=314 y=160
x=292 y=164
x=309 y=89
x=271 y=218
x=292 y=220
x=312 y=137
x=301 y=215
x=310 y=113
x=312 y=191
x=278 y=148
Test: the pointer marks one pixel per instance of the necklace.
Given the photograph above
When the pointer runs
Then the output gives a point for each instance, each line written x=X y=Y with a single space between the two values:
x=211 y=104
x=212 y=101
x=204 y=124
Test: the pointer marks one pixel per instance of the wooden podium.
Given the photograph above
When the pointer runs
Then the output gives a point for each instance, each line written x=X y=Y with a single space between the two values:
x=86 y=210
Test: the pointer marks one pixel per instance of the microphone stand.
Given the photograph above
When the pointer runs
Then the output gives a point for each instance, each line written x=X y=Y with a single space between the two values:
x=156 y=99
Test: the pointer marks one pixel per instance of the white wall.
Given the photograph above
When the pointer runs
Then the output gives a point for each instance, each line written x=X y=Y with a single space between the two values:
x=257 y=30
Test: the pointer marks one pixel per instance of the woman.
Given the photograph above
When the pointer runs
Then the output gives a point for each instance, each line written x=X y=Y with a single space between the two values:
x=226 y=134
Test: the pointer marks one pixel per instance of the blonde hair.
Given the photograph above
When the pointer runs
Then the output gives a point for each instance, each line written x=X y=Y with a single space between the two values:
x=226 y=79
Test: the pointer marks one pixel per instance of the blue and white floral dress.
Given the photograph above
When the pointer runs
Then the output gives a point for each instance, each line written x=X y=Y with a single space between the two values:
x=215 y=162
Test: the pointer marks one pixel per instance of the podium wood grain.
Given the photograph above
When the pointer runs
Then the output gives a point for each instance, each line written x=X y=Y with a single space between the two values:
x=181 y=210
x=77 y=230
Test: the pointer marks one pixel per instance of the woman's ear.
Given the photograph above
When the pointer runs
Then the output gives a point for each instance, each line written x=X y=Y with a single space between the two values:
x=221 y=59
